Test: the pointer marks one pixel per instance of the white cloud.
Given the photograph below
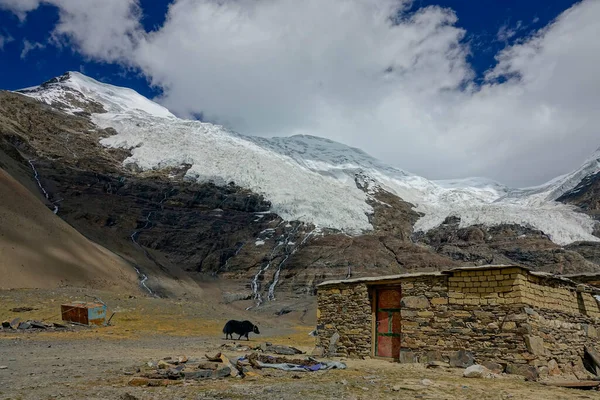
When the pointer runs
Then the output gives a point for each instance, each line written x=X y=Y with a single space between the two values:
x=4 y=39
x=506 y=32
x=29 y=46
x=20 y=7
x=341 y=69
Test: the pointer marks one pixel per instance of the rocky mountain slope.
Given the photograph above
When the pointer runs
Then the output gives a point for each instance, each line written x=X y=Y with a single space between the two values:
x=37 y=249
x=184 y=200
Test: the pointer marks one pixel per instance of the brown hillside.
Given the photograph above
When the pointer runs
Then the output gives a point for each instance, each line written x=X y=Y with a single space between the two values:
x=39 y=250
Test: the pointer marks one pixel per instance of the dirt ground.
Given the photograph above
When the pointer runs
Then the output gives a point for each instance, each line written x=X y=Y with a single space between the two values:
x=94 y=363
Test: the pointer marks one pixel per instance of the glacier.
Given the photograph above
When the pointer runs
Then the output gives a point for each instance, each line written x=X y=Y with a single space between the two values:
x=312 y=179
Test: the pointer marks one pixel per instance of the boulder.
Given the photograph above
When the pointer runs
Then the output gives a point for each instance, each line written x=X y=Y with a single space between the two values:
x=476 y=371
x=407 y=357
x=530 y=372
x=553 y=369
x=493 y=367
x=461 y=359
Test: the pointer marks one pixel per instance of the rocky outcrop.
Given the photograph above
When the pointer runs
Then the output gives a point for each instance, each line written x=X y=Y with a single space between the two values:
x=508 y=244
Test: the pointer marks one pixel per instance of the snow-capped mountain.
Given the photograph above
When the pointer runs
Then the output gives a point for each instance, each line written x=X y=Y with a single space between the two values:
x=308 y=178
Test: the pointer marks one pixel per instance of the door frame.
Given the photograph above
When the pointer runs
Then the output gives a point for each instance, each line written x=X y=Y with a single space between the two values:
x=374 y=304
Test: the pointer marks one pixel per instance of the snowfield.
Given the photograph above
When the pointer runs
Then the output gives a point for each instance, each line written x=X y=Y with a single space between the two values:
x=312 y=179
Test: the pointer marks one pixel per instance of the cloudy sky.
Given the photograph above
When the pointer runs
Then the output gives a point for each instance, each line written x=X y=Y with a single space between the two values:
x=444 y=89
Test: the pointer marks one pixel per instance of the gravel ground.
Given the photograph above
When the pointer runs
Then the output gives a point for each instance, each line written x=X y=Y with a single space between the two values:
x=96 y=363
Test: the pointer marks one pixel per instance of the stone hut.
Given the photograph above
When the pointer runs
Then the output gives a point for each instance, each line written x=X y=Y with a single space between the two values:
x=505 y=314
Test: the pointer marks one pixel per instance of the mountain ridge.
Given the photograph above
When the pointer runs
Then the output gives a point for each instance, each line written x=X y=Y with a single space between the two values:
x=186 y=200
x=319 y=169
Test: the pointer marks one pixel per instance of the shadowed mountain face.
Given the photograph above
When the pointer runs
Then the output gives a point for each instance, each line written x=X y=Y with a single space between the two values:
x=174 y=230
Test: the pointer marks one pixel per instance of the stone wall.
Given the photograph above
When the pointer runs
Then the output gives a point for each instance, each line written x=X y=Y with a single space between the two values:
x=503 y=316
x=344 y=320
x=553 y=294
x=487 y=287
x=556 y=339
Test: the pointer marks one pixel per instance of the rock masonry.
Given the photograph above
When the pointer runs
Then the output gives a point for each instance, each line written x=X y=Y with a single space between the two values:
x=525 y=322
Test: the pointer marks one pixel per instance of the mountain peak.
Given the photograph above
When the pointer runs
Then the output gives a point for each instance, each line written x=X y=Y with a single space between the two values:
x=75 y=92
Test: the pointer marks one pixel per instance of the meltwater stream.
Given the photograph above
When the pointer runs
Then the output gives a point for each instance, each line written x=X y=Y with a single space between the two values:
x=37 y=179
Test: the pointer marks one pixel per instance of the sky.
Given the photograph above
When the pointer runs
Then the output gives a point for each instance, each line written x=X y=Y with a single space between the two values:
x=504 y=89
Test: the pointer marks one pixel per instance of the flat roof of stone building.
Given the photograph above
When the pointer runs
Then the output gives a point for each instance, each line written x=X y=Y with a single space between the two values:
x=380 y=278
x=385 y=278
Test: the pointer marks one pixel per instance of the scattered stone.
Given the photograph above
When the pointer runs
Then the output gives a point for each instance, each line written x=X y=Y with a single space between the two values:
x=461 y=359
x=199 y=374
x=222 y=372
x=128 y=396
x=182 y=359
x=528 y=371
x=15 y=323
x=427 y=382
x=438 y=364
x=3 y=367
x=138 y=381
x=24 y=325
x=175 y=373
x=476 y=371
x=284 y=350
x=163 y=365
x=38 y=325
x=407 y=356
x=5 y=324
x=234 y=371
x=396 y=388
x=209 y=365
x=493 y=367
x=553 y=369
x=344 y=382
x=216 y=357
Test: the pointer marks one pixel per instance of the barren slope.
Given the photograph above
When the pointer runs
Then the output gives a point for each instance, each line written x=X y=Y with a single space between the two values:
x=38 y=249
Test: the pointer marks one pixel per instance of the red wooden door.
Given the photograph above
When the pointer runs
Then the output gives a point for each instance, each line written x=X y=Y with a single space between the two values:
x=387 y=322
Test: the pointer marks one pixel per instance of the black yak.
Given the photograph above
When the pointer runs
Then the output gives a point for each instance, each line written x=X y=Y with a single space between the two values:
x=242 y=328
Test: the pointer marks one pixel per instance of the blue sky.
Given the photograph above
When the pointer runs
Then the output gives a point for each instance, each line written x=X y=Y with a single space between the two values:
x=505 y=89
x=482 y=19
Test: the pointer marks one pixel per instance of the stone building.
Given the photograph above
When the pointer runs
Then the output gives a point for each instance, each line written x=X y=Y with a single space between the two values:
x=506 y=315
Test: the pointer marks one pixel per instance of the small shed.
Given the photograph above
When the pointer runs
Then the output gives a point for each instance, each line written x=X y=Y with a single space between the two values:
x=84 y=313
x=502 y=313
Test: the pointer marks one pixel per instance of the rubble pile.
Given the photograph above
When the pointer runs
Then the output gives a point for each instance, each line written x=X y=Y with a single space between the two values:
x=30 y=325
x=177 y=370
